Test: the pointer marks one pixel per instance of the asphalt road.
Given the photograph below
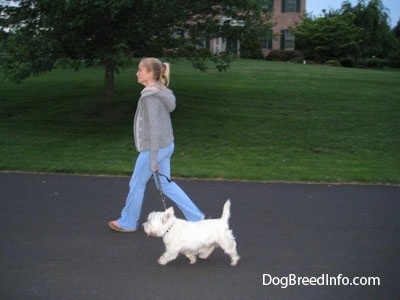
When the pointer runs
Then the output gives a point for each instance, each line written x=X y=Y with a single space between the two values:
x=55 y=243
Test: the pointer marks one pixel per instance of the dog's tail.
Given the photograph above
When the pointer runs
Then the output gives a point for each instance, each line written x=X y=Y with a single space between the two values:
x=226 y=212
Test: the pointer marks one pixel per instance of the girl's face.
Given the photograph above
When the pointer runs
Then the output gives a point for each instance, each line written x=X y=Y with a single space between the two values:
x=144 y=76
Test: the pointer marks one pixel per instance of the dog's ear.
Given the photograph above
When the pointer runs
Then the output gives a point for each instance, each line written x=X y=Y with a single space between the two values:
x=168 y=213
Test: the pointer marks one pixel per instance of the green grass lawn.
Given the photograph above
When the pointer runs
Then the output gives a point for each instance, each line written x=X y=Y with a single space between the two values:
x=259 y=121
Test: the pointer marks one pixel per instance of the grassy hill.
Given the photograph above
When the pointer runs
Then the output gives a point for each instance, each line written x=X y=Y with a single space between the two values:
x=259 y=121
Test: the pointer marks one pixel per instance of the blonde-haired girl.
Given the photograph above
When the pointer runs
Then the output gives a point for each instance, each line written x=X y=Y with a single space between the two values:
x=154 y=140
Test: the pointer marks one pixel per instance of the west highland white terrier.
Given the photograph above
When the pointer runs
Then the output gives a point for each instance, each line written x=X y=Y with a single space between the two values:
x=192 y=238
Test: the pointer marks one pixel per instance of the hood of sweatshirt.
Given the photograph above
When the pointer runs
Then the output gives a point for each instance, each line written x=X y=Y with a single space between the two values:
x=166 y=96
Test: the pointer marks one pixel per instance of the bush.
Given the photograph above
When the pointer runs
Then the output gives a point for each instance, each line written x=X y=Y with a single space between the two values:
x=251 y=50
x=377 y=62
x=394 y=54
x=282 y=55
x=251 y=53
x=333 y=63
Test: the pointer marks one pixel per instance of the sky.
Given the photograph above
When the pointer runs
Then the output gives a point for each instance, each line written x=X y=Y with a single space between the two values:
x=315 y=7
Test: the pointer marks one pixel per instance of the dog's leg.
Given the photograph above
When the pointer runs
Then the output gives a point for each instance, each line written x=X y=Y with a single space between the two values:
x=167 y=257
x=234 y=258
x=204 y=253
x=192 y=257
x=229 y=246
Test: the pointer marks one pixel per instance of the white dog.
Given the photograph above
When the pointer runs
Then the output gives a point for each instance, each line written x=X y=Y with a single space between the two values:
x=192 y=238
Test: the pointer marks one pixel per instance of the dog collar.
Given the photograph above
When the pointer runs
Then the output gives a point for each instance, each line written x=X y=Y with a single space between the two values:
x=168 y=230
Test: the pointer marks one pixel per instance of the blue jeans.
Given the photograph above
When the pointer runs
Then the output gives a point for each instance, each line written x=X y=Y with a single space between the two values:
x=141 y=174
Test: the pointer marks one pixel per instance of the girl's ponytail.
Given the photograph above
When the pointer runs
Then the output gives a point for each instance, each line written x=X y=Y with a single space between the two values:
x=165 y=72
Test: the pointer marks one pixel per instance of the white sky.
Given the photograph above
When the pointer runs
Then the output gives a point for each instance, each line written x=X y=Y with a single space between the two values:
x=316 y=6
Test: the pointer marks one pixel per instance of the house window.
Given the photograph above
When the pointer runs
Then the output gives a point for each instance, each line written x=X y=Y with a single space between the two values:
x=291 y=6
x=267 y=42
x=287 y=40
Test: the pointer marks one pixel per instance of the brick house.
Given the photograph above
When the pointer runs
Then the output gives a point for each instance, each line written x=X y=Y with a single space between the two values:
x=285 y=14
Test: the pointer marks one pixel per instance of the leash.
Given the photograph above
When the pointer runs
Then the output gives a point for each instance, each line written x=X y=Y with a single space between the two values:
x=158 y=181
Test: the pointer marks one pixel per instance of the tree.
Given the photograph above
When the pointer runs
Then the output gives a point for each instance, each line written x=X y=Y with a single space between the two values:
x=373 y=19
x=361 y=31
x=394 y=54
x=250 y=38
x=396 y=30
x=43 y=33
x=326 y=37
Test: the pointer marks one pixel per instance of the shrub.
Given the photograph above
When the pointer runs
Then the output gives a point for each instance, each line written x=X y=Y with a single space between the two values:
x=282 y=55
x=251 y=50
x=333 y=63
x=377 y=62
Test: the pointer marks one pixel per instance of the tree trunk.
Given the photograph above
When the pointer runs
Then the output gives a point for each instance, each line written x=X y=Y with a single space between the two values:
x=109 y=83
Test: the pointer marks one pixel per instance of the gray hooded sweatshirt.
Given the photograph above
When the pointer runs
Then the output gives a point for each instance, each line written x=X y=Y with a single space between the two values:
x=152 y=126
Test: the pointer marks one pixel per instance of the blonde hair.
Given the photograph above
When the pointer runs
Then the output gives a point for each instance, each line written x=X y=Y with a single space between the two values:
x=161 y=70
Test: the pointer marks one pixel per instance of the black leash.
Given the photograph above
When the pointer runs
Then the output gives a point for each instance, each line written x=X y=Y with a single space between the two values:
x=157 y=177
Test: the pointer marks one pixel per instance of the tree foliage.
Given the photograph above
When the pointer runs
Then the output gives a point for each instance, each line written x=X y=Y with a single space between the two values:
x=327 y=37
x=39 y=34
x=359 y=31
x=250 y=38
x=394 y=54
x=372 y=17
x=396 y=30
